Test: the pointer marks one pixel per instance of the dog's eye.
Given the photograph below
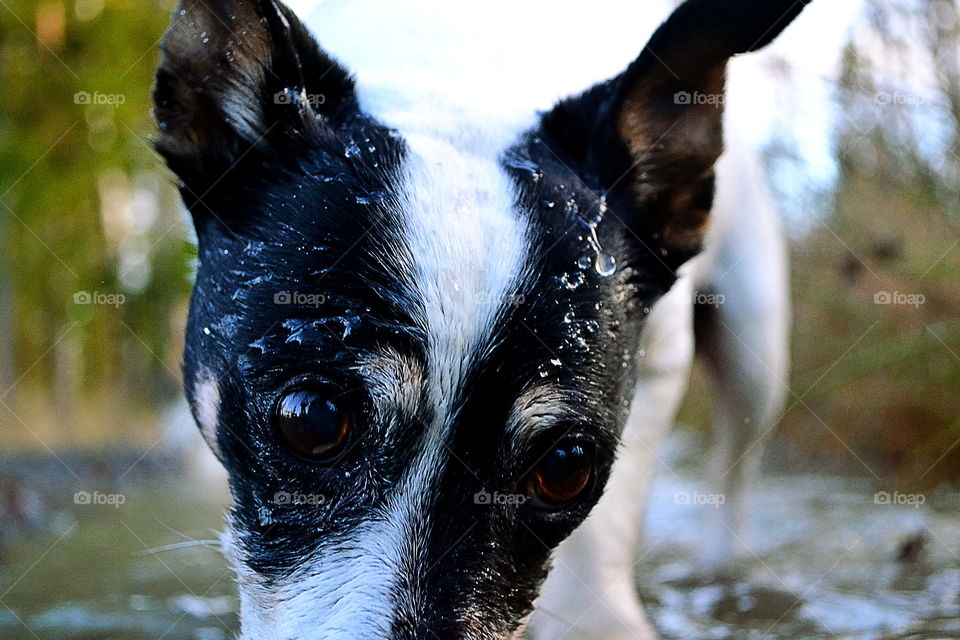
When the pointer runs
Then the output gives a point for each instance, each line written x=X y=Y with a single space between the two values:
x=313 y=423
x=562 y=475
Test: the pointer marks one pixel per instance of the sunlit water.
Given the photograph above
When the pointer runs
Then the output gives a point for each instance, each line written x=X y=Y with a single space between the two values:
x=823 y=564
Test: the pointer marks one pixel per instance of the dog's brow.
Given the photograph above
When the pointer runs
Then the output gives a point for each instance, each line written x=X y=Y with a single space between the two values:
x=537 y=409
x=395 y=382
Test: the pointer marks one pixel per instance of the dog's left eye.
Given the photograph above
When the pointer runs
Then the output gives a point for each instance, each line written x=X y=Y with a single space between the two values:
x=563 y=475
x=313 y=423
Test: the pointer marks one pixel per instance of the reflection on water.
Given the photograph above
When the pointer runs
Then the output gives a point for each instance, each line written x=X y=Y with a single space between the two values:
x=89 y=573
x=824 y=565
x=826 y=561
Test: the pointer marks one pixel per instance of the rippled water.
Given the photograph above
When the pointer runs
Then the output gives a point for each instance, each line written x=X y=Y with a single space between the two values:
x=826 y=561
x=825 y=566
x=89 y=574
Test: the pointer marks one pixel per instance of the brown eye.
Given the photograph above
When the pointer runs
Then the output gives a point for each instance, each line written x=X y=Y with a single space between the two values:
x=313 y=423
x=562 y=475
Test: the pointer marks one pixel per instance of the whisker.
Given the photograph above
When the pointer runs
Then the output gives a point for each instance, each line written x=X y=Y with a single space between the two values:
x=214 y=544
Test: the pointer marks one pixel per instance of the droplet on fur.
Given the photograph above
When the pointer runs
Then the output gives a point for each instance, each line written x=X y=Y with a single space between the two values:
x=265 y=516
x=606 y=264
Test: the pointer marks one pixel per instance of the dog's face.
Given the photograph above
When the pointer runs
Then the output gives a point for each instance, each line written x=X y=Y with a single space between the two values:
x=414 y=356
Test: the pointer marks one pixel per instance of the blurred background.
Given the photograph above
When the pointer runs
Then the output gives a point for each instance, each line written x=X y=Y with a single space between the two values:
x=103 y=531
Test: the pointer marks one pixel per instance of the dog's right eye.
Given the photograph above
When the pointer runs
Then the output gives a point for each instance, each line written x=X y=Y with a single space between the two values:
x=562 y=475
x=313 y=423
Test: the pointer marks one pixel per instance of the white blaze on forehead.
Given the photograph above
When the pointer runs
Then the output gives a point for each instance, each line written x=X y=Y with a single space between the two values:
x=465 y=244
x=463 y=248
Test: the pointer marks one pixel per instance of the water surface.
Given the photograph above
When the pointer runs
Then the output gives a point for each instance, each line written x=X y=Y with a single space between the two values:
x=823 y=564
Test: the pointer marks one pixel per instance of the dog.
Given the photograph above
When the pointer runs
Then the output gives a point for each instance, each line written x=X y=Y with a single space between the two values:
x=433 y=307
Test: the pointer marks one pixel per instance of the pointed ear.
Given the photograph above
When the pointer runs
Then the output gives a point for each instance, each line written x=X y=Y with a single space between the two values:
x=237 y=75
x=658 y=127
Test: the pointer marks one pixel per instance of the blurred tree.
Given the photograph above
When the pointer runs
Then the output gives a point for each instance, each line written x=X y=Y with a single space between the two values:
x=878 y=287
x=95 y=264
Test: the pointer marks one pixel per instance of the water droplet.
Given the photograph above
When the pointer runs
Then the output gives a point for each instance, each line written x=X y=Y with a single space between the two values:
x=206 y=331
x=349 y=324
x=606 y=264
x=572 y=281
x=556 y=362
x=352 y=149
x=266 y=516
x=584 y=262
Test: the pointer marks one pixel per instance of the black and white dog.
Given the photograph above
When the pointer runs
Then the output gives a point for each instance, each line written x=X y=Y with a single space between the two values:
x=437 y=300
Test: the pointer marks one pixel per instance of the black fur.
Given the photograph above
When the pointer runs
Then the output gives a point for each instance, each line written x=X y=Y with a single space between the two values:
x=309 y=206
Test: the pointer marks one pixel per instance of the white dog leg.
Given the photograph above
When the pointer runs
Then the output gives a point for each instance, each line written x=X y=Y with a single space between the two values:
x=744 y=337
x=590 y=594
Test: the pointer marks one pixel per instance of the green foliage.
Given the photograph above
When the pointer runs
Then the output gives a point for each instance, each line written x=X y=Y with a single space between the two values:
x=87 y=207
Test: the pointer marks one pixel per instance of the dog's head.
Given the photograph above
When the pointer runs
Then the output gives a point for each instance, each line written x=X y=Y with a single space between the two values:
x=414 y=354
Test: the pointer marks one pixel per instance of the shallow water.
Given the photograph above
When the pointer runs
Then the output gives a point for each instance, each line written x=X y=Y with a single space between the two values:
x=824 y=565
x=821 y=562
